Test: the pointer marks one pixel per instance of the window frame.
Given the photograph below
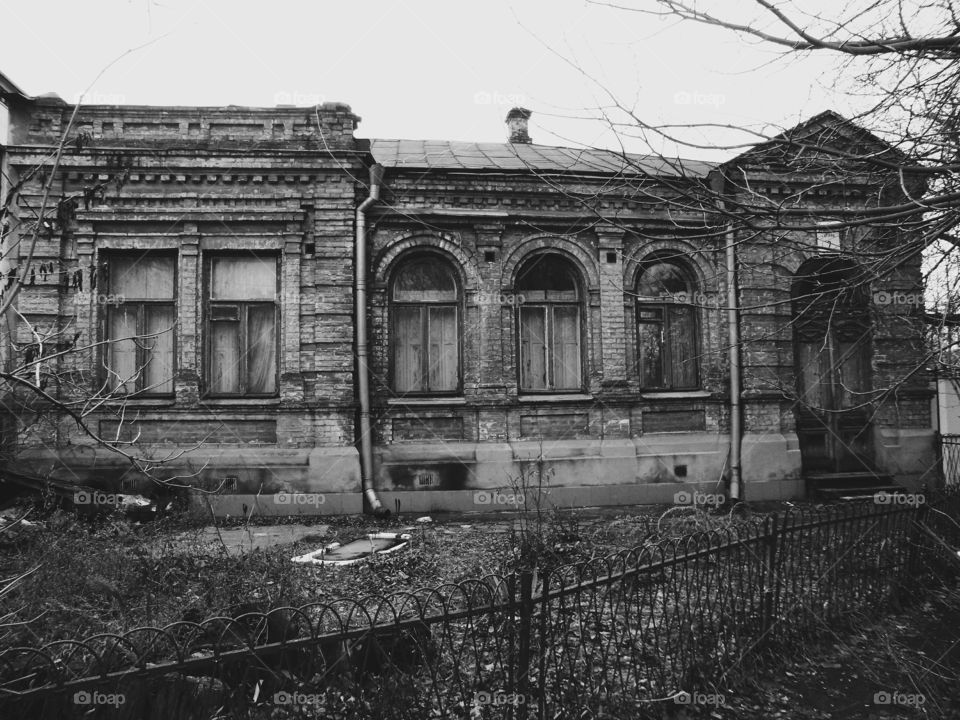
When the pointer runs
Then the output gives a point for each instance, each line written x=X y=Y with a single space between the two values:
x=663 y=305
x=424 y=306
x=243 y=308
x=106 y=258
x=550 y=307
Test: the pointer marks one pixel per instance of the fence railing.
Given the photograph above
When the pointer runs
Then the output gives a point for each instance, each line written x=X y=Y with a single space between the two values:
x=620 y=636
x=950 y=456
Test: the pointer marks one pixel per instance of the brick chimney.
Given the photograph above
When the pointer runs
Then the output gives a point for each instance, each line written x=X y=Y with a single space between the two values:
x=517 y=125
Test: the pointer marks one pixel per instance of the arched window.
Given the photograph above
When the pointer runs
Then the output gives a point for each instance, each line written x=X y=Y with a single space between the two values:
x=426 y=338
x=548 y=320
x=666 y=327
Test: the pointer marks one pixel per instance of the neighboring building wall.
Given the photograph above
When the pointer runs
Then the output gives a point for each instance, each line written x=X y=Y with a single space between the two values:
x=948 y=405
x=197 y=183
x=8 y=436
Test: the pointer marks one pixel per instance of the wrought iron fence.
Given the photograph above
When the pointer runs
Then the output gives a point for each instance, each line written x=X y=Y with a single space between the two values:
x=950 y=456
x=622 y=636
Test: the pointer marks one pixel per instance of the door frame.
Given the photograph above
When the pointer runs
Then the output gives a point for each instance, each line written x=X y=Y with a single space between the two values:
x=830 y=309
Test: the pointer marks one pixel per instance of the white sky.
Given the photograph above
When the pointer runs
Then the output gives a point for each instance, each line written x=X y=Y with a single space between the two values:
x=413 y=68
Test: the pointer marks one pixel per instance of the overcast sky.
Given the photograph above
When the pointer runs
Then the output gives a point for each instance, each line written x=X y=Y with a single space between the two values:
x=413 y=68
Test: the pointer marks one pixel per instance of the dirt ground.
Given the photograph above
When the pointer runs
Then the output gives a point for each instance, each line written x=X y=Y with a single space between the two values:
x=901 y=666
x=110 y=575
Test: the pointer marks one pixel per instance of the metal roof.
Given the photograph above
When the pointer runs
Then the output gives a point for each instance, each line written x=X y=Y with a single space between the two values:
x=452 y=155
x=8 y=87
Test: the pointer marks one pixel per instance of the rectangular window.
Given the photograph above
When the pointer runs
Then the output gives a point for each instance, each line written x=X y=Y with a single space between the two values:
x=650 y=347
x=533 y=348
x=426 y=349
x=140 y=323
x=550 y=347
x=442 y=368
x=242 y=325
x=566 y=347
x=667 y=346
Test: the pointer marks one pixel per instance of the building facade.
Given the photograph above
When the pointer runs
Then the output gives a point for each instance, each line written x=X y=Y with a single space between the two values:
x=538 y=319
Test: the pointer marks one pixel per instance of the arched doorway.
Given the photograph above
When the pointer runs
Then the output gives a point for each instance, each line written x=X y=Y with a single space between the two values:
x=832 y=353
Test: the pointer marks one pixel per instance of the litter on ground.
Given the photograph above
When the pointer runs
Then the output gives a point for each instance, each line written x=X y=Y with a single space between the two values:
x=356 y=550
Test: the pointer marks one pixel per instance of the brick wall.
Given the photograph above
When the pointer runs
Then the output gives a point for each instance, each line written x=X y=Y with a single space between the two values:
x=197 y=181
x=203 y=180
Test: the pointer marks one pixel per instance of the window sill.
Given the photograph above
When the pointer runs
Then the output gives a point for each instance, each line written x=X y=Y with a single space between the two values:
x=674 y=394
x=556 y=398
x=142 y=402
x=427 y=401
x=230 y=401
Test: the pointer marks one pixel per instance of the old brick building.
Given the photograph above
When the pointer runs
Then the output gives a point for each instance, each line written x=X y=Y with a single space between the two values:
x=226 y=232
x=533 y=314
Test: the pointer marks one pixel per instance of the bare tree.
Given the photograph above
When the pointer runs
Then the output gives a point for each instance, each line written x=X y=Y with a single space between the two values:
x=837 y=226
x=55 y=383
x=901 y=61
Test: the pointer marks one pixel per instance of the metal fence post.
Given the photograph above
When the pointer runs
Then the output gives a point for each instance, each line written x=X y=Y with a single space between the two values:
x=518 y=709
x=544 y=643
x=919 y=543
x=768 y=580
x=511 y=659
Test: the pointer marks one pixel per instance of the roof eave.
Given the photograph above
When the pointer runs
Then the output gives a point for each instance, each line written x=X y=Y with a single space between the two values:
x=8 y=87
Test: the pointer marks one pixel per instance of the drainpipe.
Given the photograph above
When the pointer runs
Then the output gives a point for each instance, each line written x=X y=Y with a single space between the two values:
x=733 y=331
x=733 y=334
x=363 y=371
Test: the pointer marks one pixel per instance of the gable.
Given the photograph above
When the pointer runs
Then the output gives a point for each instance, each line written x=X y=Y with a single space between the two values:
x=824 y=142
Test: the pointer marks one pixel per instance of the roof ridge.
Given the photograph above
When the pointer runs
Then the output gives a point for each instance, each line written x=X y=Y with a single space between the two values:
x=512 y=157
